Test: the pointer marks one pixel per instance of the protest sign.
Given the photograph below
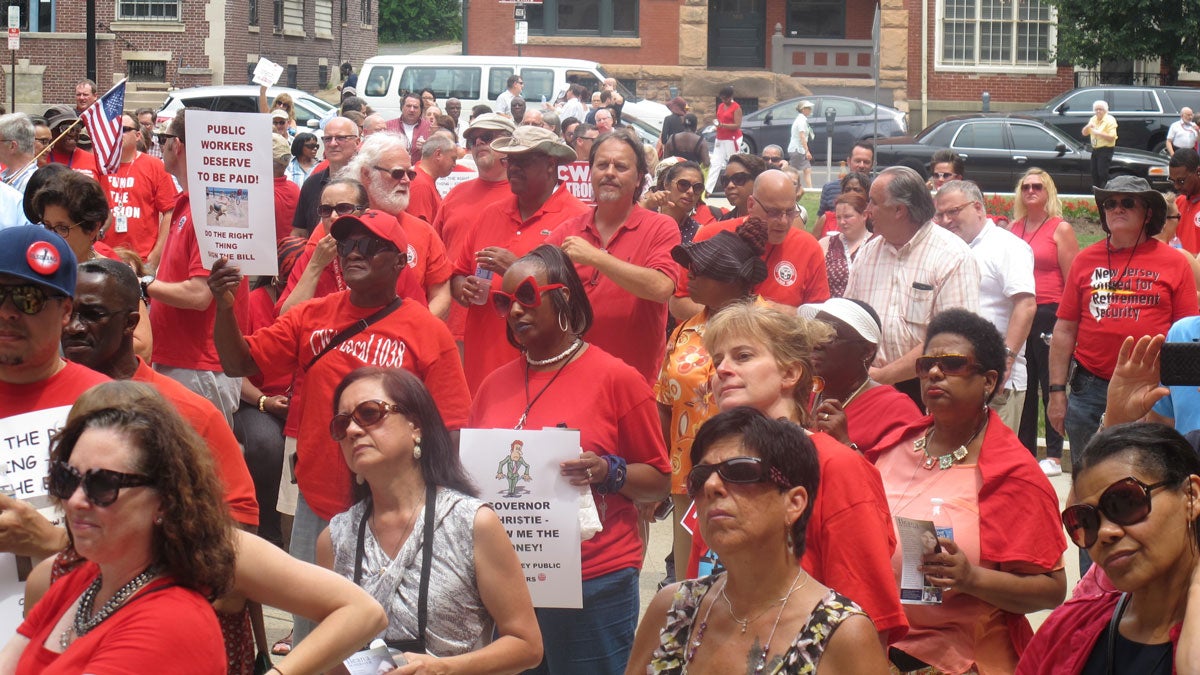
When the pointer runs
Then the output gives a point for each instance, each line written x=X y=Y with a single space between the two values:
x=577 y=178
x=518 y=473
x=232 y=189
x=267 y=72
x=458 y=176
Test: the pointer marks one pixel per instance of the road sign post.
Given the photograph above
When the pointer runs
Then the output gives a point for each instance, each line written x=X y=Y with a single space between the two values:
x=14 y=43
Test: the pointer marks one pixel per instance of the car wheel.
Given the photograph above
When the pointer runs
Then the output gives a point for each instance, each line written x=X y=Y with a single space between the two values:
x=1160 y=148
x=746 y=147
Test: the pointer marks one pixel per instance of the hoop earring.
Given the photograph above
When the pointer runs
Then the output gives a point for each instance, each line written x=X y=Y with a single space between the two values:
x=417 y=448
x=563 y=324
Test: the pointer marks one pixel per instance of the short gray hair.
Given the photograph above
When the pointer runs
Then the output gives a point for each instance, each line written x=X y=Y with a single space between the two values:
x=908 y=189
x=436 y=143
x=1100 y=104
x=550 y=119
x=773 y=147
x=966 y=188
x=18 y=127
x=370 y=151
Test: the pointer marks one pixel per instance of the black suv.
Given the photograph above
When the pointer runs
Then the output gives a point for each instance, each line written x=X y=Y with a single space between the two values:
x=1144 y=114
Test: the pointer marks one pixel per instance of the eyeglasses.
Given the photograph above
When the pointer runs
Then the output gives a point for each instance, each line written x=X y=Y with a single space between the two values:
x=1032 y=187
x=162 y=137
x=366 y=415
x=743 y=470
x=485 y=137
x=342 y=209
x=951 y=212
x=126 y=130
x=27 y=298
x=62 y=230
x=527 y=293
x=399 y=174
x=738 y=179
x=43 y=141
x=1126 y=203
x=949 y=364
x=1125 y=502
x=943 y=176
x=101 y=486
x=339 y=139
x=777 y=214
x=367 y=247
x=94 y=315
x=682 y=186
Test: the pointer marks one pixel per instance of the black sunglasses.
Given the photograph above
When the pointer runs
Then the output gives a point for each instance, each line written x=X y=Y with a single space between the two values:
x=1126 y=203
x=365 y=414
x=28 y=298
x=126 y=130
x=744 y=470
x=341 y=208
x=486 y=137
x=682 y=186
x=738 y=179
x=527 y=293
x=773 y=160
x=1125 y=502
x=367 y=247
x=949 y=364
x=162 y=137
x=101 y=486
x=311 y=146
x=399 y=174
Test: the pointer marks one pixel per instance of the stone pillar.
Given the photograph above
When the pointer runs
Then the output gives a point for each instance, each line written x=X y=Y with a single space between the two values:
x=893 y=50
x=693 y=33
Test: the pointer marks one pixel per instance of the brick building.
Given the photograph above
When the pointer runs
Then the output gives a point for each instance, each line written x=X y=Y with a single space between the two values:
x=165 y=44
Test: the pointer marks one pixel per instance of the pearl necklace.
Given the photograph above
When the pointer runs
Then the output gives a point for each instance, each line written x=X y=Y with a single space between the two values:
x=553 y=359
x=86 y=620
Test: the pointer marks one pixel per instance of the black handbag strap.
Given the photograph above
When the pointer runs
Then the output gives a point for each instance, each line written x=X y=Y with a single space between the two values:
x=356 y=328
x=1112 y=630
x=417 y=645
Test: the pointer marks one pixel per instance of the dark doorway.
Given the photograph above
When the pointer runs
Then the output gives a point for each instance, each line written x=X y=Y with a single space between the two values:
x=737 y=33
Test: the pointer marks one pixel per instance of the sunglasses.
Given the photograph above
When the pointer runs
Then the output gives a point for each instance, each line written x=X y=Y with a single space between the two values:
x=101 y=486
x=162 y=137
x=738 y=179
x=366 y=414
x=527 y=294
x=342 y=209
x=279 y=121
x=1032 y=187
x=399 y=174
x=311 y=146
x=942 y=176
x=949 y=364
x=774 y=160
x=486 y=137
x=126 y=130
x=29 y=299
x=1126 y=203
x=367 y=247
x=743 y=470
x=1125 y=502
x=683 y=186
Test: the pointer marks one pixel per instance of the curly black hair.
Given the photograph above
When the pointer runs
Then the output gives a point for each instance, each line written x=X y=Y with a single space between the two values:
x=982 y=334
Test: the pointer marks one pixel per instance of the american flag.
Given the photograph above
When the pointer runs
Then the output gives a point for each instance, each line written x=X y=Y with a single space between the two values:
x=103 y=119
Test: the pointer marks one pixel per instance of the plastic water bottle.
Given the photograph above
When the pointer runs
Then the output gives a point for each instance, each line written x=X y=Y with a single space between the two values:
x=941 y=520
x=485 y=276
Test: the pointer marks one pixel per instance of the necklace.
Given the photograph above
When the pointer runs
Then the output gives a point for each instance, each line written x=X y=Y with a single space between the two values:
x=553 y=359
x=745 y=623
x=949 y=459
x=1035 y=230
x=694 y=643
x=86 y=620
x=575 y=347
x=406 y=533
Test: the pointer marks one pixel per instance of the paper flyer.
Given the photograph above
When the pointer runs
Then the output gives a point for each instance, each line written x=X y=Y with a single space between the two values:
x=267 y=72
x=917 y=538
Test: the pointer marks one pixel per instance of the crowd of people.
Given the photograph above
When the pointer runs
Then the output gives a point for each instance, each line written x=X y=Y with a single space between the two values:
x=793 y=392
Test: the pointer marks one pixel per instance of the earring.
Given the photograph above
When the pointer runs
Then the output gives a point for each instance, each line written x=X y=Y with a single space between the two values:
x=417 y=448
x=359 y=479
x=158 y=520
x=562 y=323
x=791 y=542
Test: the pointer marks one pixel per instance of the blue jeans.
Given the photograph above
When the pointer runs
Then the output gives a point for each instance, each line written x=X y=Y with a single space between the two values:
x=305 y=528
x=597 y=639
x=1085 y=405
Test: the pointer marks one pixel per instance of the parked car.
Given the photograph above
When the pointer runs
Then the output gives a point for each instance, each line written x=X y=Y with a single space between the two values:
x=999 y=147
x=855 y=121
x=1143 y=114
x=310 y=110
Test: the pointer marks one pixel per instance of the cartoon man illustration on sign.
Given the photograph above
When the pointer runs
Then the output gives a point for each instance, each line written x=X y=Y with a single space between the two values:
x=510 y=468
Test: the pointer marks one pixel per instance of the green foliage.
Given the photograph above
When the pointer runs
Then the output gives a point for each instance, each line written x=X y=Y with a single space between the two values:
x=419 y=20
x=1091 y=31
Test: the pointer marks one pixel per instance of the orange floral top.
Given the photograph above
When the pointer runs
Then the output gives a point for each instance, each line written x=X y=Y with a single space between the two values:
x=684 y=386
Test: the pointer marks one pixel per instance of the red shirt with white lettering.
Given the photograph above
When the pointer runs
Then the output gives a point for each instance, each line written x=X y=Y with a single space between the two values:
x=139 y=193
x=409 y=338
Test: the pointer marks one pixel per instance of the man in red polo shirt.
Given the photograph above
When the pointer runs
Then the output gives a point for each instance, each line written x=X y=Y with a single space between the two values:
x=506 y=230
x=622 y=253
x=437 y=161
x=1185 y=175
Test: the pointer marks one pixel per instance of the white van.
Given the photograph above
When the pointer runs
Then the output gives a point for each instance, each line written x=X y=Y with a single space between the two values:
x=478 y=80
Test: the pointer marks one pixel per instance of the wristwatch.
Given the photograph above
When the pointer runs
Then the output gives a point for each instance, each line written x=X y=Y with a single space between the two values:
x=145 y=283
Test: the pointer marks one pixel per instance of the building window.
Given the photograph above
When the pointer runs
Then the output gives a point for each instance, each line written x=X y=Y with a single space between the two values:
x=997 y=33
x=293 y=16
x=253 y=20
x=292 y=73
x=583 y=17
x=323 y=17
x=365 y=11
x=148 y=10
x=146 y=71
x=278 y=16
x=322 y=77
x=36 y=16
x=816 y=18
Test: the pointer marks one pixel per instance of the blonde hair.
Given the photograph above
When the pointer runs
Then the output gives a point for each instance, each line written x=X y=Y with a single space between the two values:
x=1053 y=204
x=788 y=337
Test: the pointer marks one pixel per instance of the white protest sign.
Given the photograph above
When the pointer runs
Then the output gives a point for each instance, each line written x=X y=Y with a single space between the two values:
x=517 y=473
x=577 y=178
x=232 y=189
x=24 y=460
x=267 y=72
x=458 y=176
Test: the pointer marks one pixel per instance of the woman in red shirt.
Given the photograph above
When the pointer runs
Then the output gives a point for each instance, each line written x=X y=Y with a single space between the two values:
x=729 y=135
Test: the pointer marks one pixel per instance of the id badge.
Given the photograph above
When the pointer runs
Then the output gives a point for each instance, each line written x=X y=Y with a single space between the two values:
x=122 y=224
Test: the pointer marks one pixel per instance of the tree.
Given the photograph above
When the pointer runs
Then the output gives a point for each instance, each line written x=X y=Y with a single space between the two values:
x=413 y=20
x=1091 y=31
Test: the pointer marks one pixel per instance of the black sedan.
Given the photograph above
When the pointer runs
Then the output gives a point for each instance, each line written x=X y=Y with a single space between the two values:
x=998 y=148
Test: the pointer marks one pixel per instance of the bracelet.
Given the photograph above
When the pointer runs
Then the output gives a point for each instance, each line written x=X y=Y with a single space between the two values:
x=615 y=480
x=262 y=405
x=1057 y=387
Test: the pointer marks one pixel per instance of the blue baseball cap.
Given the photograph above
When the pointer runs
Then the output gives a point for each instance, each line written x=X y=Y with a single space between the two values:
x=33 y=253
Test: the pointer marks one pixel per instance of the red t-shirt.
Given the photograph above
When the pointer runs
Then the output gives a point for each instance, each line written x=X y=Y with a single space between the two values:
x=57 y=391
x=1153 y=289
x=261 y=314
x=163 y=629
x=615 y=412
x=210 y=424
x=484 y=346
x=1047 y=275
x=409 y=338
x=795 y=269
x=455 y=219
x=629 y=328
x=876 y=413
x=287 y=194
x=80 y=160
x=183 y=338
x=1189 y=222
x=423 y=197
x=139 y=193
x=426 y=253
